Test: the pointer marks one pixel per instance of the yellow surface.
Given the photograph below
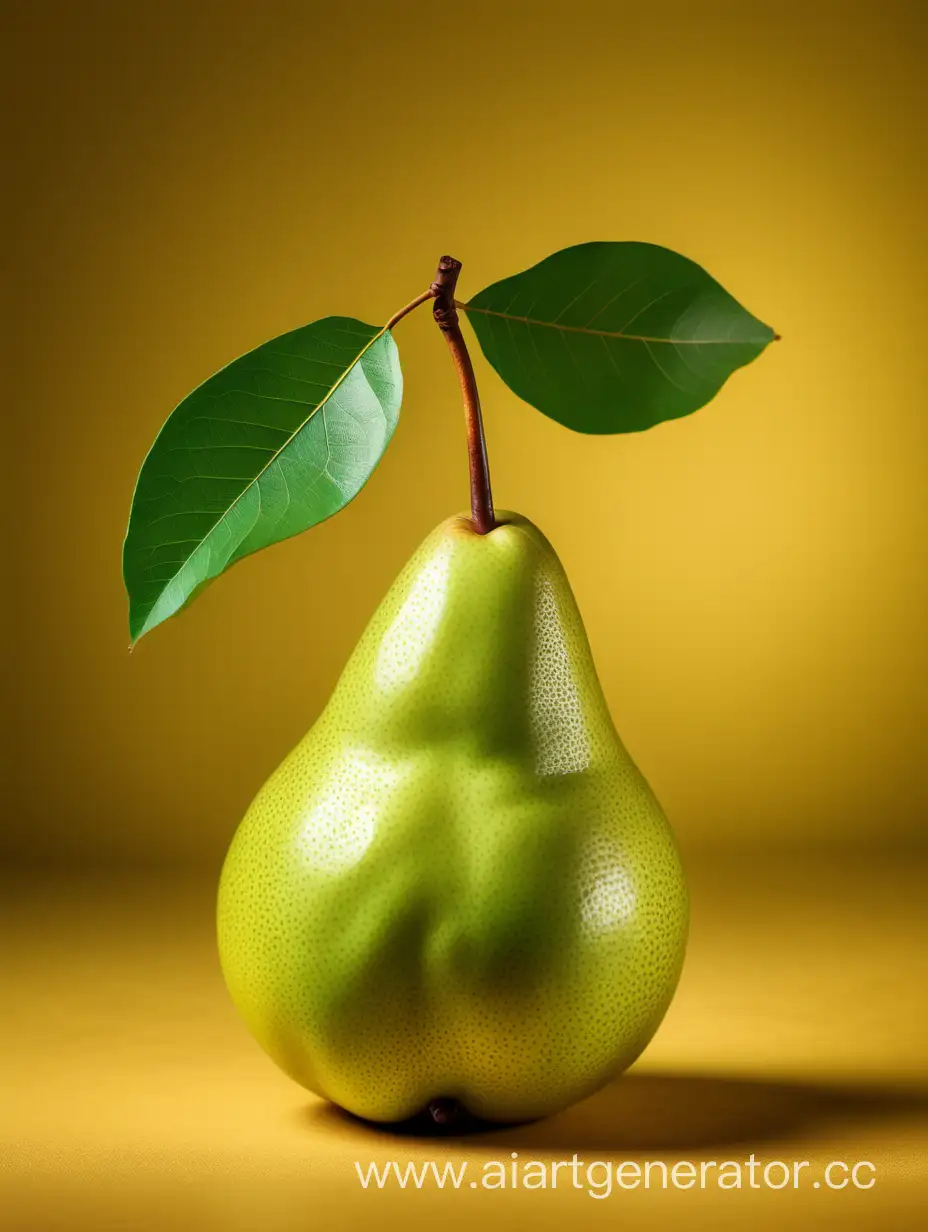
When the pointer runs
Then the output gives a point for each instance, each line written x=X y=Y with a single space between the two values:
x=134 y=1099
x=188 y=180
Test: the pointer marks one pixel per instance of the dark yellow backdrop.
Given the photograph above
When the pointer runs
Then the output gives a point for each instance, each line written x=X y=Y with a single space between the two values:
x=190 y=179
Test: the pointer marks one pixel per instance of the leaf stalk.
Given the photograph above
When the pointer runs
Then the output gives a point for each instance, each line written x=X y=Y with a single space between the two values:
x=413 y=303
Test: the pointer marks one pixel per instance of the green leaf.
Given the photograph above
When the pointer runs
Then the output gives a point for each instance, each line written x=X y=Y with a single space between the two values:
x=614 y=337
x=274 y=443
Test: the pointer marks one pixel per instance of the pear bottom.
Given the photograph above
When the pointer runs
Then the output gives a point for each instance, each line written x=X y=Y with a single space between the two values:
x=458 y=886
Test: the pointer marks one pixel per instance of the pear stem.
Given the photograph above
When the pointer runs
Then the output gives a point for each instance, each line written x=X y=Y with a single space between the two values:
x=446 y=317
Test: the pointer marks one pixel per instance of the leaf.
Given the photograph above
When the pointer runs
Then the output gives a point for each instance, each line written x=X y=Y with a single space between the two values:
x=614 y=337
x=272 y=444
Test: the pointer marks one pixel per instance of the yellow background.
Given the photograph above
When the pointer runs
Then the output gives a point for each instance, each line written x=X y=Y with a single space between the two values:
x=190 y=179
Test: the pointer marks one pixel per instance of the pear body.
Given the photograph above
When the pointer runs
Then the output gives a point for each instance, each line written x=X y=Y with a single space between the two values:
x=458 y=885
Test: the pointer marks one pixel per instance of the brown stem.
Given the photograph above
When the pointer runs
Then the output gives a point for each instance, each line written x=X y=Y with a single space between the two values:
x=413 y=303
x=446 y=317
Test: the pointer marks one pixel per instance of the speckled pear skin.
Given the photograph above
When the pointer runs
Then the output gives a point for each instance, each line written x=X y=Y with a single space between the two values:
x=458 y=884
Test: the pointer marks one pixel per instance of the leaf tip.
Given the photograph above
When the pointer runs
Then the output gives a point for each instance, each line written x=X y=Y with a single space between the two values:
x=135 y=635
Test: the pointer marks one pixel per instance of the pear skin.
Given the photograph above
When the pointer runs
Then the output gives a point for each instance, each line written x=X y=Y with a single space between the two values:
x=458 y=885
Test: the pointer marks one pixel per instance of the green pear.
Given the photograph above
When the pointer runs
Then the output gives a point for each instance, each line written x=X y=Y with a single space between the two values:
x=458 y=886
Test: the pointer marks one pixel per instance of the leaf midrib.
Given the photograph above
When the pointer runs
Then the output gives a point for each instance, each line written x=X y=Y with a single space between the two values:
x=318 y=407
x=604 y=333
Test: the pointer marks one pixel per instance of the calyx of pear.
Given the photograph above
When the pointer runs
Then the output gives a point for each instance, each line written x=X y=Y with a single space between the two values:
x=458 y=890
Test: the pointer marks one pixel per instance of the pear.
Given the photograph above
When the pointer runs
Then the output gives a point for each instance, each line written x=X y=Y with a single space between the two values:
x=458 y=886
